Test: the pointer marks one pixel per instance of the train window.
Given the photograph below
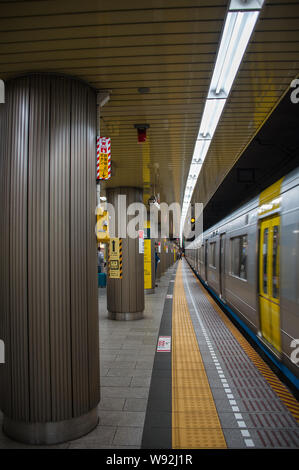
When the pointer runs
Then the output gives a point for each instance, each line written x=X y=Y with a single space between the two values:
x=201 y=254
x=275 y=261
x=243 y=257
x=213 y=254
x=235 y=255
x=265 y=261
x=239 y=256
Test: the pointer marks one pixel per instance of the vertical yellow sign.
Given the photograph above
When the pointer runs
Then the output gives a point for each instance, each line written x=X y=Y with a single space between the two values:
x=115 y=258
x=147 y=256
x=147 y=264
x=103 y=166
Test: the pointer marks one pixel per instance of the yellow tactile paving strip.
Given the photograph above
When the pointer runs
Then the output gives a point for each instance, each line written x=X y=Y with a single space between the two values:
x=284 y=394
x=195 y=422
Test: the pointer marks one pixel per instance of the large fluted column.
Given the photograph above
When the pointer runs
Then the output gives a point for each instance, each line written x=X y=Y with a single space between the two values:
x=125 y=297
x=48 y=275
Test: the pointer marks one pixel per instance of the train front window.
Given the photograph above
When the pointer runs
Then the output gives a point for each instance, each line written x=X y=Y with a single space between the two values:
x=275 y=263
x=265 y=261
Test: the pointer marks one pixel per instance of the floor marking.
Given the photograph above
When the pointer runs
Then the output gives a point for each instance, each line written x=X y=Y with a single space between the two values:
x=164 y=344
x=195 y=421
x=249 y=442
x=241 y=424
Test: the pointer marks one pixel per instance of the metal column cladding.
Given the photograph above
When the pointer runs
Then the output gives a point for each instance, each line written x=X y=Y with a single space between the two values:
x=48 y=274
x=125 y=295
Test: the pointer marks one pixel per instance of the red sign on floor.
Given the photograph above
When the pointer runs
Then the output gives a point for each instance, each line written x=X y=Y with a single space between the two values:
x=164 y=344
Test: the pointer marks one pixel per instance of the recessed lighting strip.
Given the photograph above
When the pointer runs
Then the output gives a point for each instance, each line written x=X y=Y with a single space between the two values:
x=239 y=24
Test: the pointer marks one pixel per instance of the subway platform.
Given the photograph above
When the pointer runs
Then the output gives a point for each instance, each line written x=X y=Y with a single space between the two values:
x=127 y=351
x=220 y=394
x=211 y=391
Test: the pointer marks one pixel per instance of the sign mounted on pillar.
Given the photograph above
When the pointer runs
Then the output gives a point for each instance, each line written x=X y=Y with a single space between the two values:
x=102 y=225
x=147 y=257
x=141 y=241
x=103 y=158
x=115 y=263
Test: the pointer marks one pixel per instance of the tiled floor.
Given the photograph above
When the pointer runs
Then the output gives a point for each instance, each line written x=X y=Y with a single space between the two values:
x=251 y=413
x=127 y=352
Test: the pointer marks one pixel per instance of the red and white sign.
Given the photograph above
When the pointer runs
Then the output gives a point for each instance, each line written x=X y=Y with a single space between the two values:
x=141 y=241
x=103 y=158
x=164 y=344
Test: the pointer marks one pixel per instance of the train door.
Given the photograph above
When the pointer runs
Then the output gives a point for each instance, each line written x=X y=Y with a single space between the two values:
x=269 y=297
x=221 y=263
x=206 y=260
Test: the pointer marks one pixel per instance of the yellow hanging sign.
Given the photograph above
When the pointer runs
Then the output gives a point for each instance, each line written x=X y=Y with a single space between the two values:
x=147 y=264
x=102 y=225
x=103 y=158
x=115 y=258
x=147 y=256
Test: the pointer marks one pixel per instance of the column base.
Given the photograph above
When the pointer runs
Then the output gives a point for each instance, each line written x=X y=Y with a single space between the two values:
x=52 y=432
x=149 y=291
x=125 y=316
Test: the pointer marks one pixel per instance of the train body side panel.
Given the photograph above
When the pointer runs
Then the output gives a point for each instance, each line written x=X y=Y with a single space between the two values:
x=241 y=294
x=289 y=265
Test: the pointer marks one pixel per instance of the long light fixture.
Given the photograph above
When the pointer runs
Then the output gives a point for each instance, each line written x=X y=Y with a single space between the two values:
x=210 y=118
x=236 y=34
x=239 y=24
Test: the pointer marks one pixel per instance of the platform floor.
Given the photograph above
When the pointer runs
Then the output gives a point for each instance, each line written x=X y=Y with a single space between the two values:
x=127 y=351
x=212 y=391
x=223 y=394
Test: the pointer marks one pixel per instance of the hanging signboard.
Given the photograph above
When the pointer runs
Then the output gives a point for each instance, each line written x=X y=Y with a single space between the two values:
x=103 y=158
x=115 y=258
x=147 y=264
x=147 y=257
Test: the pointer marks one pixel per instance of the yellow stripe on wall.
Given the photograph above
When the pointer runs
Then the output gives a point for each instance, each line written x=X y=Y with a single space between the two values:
x=269 y=198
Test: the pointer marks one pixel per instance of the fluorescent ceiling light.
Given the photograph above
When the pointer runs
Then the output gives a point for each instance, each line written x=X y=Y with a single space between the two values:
x=246 y=5
x=236 y=34
x=239 y=25
x=200 y=151
x=210 y=118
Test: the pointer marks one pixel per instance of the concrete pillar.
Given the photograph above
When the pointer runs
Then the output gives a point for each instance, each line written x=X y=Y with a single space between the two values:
x=48 y=276
x=125 y=297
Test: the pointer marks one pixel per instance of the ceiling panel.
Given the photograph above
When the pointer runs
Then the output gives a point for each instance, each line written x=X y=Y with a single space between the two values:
x=169 y=46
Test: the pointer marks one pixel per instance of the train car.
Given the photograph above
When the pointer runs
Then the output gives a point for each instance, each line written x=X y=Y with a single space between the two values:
x=250 y=261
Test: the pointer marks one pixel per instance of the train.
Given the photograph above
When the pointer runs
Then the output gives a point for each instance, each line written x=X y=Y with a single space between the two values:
x=250 y=262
